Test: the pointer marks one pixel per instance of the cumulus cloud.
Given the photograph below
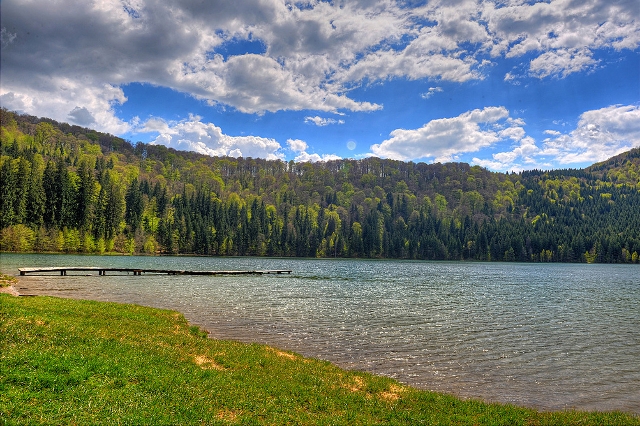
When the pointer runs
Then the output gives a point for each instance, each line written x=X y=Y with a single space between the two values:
x=600 y=134
x=65 y=99
x=305 y=157
x=443 y=139
x=562 y=35
x=208 y=139
x=81 y=116
x=413 y=65
x=562 y=63
x=302 y=156
x=255 y=83
x=312 y=55
x=297 y=145
x=523 y=154
x=321 y=121
x=70 y=60
x=174 y=45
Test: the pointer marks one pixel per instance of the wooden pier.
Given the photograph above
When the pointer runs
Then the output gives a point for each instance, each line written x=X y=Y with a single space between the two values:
x=139 y=271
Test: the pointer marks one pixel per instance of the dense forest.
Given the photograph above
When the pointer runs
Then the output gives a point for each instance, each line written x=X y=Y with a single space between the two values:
x=64 y=188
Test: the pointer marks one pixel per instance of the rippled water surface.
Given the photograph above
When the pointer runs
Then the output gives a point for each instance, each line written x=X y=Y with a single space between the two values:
x=549 y=336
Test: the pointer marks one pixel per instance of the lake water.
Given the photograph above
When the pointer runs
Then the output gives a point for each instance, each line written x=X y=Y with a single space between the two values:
x=548 y=336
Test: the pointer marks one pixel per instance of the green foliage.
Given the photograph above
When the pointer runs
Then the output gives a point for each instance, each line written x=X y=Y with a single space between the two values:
x=77 y=190
x=66 y=361
x=17 y=238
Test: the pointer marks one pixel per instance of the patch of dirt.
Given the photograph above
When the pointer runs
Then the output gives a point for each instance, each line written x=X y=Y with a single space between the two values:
x=227 y=415
x=393 y=394
x=9 y=290
x=177 y=329
x=207 y=363
x=283 y=354
x=357 y=385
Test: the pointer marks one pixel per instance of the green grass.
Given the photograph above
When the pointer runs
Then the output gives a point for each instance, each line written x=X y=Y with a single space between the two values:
x=7 y=280
x=81 y=362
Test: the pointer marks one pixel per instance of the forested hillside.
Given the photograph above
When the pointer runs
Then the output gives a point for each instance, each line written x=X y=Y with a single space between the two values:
x=70 y=189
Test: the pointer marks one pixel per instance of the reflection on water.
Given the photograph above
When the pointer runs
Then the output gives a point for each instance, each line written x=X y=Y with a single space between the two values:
x=541 y=335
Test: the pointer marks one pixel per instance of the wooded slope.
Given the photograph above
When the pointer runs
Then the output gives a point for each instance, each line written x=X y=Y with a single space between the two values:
x=67 y=188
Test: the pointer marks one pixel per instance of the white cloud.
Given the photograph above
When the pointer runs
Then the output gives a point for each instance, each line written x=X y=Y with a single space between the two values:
x=445 y=138
x=67 y=100
x=432 y=91
x=383 y=65
x=600 y=134
x=304 y=157
x=487 y=164
x=562 y=63
x=255 y=84
x=563 y=34
x=58 y=56
x=514 y=133
x=432 y=51
x=321 y=121
x=524 y=152
x=300 y=148
x=207 y=138
x=297 y=145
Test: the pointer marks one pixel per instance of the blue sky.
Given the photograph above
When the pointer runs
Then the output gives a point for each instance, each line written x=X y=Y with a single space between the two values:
x=507 y=85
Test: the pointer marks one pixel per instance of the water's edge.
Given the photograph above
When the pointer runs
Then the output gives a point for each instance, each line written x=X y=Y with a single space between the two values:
x=551 y=337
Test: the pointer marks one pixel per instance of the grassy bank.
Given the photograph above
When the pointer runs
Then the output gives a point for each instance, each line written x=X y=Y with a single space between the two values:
x=7 y=280
x=78 y=362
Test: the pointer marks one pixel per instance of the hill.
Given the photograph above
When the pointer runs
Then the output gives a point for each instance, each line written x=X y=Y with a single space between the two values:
x=72 y=189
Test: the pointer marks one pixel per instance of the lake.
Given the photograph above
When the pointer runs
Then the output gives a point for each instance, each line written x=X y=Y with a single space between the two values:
x=548 y=336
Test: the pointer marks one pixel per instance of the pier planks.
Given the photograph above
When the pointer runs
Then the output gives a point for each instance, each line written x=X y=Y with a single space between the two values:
x=139 y=271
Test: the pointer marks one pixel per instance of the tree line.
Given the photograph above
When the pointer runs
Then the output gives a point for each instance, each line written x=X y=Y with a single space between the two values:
x=70 y=189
